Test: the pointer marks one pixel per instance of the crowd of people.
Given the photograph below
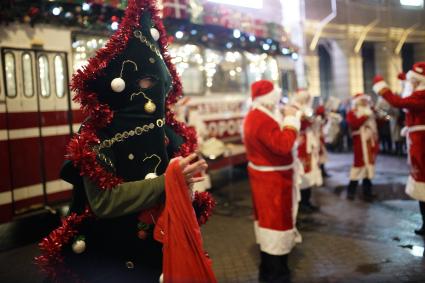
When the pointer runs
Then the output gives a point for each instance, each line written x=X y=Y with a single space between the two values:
x=286 y=150
x=390 y=121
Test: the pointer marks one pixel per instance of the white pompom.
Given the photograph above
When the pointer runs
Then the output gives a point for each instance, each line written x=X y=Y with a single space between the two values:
x=79 y=246
x=161 y=278
x=118 y=85
x=151 y=176
x=155 y=34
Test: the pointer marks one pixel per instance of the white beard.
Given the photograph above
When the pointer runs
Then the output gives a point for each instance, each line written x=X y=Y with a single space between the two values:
x=363 y=111
x=407 y=89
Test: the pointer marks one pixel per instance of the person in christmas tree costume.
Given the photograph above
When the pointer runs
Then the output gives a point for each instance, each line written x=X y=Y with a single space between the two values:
x=270 y=141
x=412 y=101
x=129 y=197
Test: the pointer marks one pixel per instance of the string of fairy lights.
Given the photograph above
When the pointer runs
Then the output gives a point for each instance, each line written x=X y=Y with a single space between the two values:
x=105 y=19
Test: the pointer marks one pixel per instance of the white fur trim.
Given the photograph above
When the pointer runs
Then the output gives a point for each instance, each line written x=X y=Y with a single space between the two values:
x=311 y=179
x=379 y=86
x=292 y=121
x=276 y=242
x=271 y=168
x=414 y=75
x=359 y=173
x=415 y=189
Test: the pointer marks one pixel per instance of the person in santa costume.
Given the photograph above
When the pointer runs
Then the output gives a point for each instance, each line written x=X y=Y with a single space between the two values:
x=132 y=216
x=414 y=106
x=308 y=149
x=320 y=122
x=270 y=141
x=362 y=122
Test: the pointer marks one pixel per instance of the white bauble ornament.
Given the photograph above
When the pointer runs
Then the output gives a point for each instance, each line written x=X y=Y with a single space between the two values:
x=79 y=246
x=161 y=278
x=118 y=85
x=155 y=34
x=151 y=176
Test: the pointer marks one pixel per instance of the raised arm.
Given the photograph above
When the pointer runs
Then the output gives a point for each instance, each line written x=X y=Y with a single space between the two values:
x=281 y=140
x=354 y=121
x=412 y=102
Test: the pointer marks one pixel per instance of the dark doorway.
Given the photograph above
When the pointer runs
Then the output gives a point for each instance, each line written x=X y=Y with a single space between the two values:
x=369 y=69
x=325 y=71
x=407 y=56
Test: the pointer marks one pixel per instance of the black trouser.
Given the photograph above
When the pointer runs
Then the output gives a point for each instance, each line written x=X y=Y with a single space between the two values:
x=367 y=187
x=422 y=209
x=305 y=196
x=274 y=268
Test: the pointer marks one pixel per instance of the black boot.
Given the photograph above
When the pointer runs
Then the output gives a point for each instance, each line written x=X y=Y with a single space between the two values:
x=305 y=203
x=351 y=189
x=263 y=270
x=421 y=231
x=324 y=172
x=274 y=269
x=367 y=190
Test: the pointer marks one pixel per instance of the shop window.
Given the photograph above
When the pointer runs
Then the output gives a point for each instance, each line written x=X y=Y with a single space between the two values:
x=10 y=71
x=261 y=67
x=27 y=75
x=190 y=66
x=224 y=72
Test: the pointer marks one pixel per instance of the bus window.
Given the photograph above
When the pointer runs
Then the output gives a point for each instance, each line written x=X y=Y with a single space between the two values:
x=59 y=76
x=224 y=72
x=189 y=65
x=261 y=66
x=10 y=71
x=43 y=70
x=27 y=75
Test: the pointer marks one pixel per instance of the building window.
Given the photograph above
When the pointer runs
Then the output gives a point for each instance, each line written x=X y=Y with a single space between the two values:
x=10 y=71
x=43 y=70
x=59 y=76
x=27 y=75
x=412 y=3
x=255 y=4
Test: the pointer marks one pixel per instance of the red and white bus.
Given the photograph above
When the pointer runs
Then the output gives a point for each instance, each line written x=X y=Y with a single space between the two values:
x=36 y=117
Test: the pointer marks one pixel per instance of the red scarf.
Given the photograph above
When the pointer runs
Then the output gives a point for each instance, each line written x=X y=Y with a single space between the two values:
x=184 y=259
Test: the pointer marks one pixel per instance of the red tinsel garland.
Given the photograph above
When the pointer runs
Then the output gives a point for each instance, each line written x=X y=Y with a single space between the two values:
x=203 y=204
x=51 y=260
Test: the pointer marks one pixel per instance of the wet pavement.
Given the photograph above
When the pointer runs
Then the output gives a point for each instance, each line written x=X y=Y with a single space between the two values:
x=347 y=241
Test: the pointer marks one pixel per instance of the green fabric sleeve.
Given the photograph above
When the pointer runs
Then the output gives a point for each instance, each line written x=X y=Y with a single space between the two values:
x=126 y=198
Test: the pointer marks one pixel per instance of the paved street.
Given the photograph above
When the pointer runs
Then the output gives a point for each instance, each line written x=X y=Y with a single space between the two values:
x=345 y=242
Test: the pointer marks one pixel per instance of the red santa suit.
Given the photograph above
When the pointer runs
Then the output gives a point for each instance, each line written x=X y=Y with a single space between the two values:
x=270 y=142
x=309 y=154
x=414 y=106
x=365 y=141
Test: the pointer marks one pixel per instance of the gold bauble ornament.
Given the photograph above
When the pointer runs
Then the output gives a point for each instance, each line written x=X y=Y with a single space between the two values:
x=150 y=107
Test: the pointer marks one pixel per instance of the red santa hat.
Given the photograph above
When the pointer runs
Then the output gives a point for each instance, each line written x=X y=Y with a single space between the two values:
x=263 y=91
x=357 y=98
x=417 y=73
